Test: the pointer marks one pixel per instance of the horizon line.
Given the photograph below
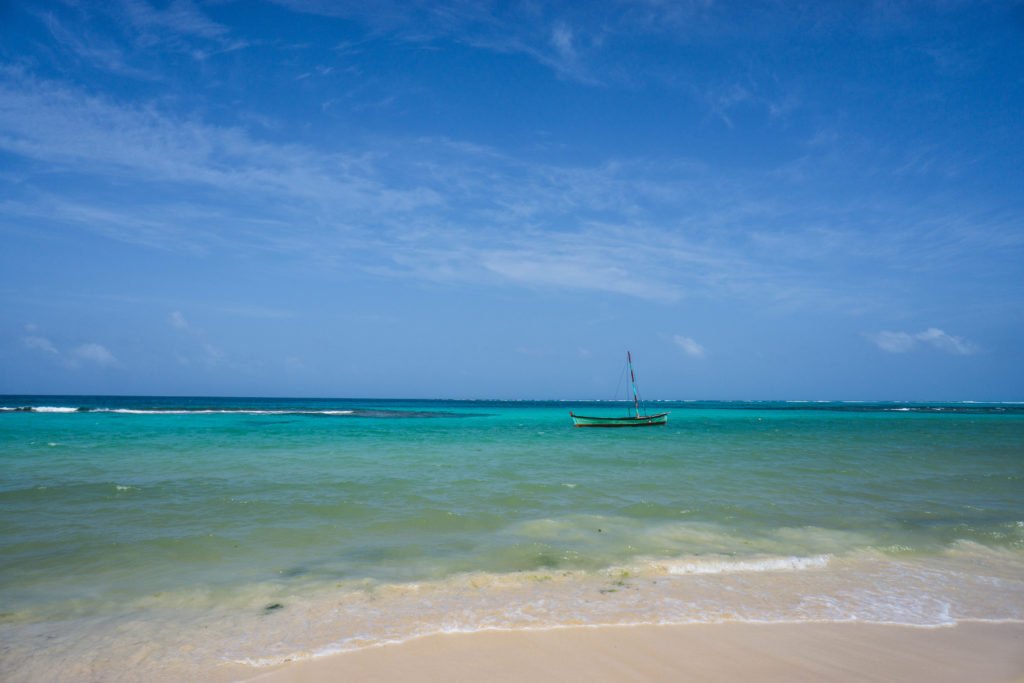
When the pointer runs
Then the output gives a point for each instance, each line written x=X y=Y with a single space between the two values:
x=515 y=400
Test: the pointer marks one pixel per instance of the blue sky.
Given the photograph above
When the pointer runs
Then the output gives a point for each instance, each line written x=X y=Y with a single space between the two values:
x=762 y=200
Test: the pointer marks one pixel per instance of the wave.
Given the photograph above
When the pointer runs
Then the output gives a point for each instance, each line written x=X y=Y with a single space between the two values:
x=211 y=411
x=765 y=564
x=329 y=412
x=170 y=411
x=860 y=588
x=277 y=619
x=143 y=405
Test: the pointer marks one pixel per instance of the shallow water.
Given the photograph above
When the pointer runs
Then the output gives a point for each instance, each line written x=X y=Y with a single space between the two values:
x=183 y=534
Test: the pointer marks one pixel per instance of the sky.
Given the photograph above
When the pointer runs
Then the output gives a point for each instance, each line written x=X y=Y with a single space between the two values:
x=767 y=199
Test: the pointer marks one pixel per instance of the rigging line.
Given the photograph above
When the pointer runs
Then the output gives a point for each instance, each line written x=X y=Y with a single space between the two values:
x=618 y=385
x=636 y=393
x=638 y=400
x=632 y=381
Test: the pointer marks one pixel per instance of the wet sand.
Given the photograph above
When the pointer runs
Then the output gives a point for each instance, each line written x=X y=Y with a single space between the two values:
x=974 y=651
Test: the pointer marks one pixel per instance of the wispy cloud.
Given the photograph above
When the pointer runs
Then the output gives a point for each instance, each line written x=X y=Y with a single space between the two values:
x=584 y=267
x=721 y=101
x=903 y=342
x=689 y=346
x=93 y=353
x=590 y=43
x=893 y=342
x=89 y=353
x=99 y=51
x=562 y=39
x=415 y=224
x=947 y=342
x=180 y=16
x=58 y=124
x=146 y=33
x=43 y=344
x=528 y=29
x=178 y=320
x=198 y=349
x=448 y=210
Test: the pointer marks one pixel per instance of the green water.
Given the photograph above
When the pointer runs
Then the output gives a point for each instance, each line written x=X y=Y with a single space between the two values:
x=168 y=511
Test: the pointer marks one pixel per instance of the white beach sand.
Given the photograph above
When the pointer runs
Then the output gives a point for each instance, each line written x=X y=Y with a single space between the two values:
x=975 y=652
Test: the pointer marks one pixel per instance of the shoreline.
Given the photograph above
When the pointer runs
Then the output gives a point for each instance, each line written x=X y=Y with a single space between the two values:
x=813 y=651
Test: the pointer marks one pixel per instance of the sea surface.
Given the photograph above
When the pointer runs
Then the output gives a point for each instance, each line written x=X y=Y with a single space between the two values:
x=204 y=538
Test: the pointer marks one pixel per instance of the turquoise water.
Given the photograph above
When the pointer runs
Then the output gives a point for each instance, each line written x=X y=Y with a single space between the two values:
x=287 y=528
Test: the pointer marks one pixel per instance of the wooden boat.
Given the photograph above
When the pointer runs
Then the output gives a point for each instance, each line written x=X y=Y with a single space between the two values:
x=628 y=421
x=636 y=420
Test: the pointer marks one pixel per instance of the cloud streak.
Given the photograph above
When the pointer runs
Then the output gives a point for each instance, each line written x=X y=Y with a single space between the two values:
x=40 y=344
x=589 y=43
x=93 y=353
x=422 y=234
x=689 y=346
x=904 y=342
x=178 y=320
x=89 y=353
x=447 y=210
x=179 y=17
x=199 y=350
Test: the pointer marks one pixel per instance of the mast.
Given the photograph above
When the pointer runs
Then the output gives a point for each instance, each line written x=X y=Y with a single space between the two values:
x=632 y=383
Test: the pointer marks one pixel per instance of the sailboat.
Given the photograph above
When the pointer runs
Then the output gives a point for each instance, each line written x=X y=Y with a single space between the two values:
x=636 y=420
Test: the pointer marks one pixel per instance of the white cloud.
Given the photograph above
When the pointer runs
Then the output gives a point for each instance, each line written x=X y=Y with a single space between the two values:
x=585 y=269
x=86 y=45
x=722 y=100
x=947 y=342
x=439 y=209
x=211 y=354
x=84 y=353
x=893 y=342
x=561 y=38
x=688 y=345
x=178 y=320
x=517 y=28
x=53 y=123
x=202 y=350
x=43 y=344
x=181 y=16
x=94 y=353
x=902 y=342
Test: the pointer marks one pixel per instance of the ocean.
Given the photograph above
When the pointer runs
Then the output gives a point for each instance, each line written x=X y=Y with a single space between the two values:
x=151 y=538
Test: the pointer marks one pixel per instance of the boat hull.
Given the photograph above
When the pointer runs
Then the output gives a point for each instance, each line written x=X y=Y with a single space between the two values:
x=642 y=421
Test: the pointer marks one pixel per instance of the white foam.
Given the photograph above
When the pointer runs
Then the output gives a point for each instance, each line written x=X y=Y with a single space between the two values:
x=318 y=620
x=171 y=411
x=128 y=411
x=135 y=411
x=767 y=564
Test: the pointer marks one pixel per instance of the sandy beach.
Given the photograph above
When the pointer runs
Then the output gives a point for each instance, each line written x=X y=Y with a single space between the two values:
x=977 y=652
